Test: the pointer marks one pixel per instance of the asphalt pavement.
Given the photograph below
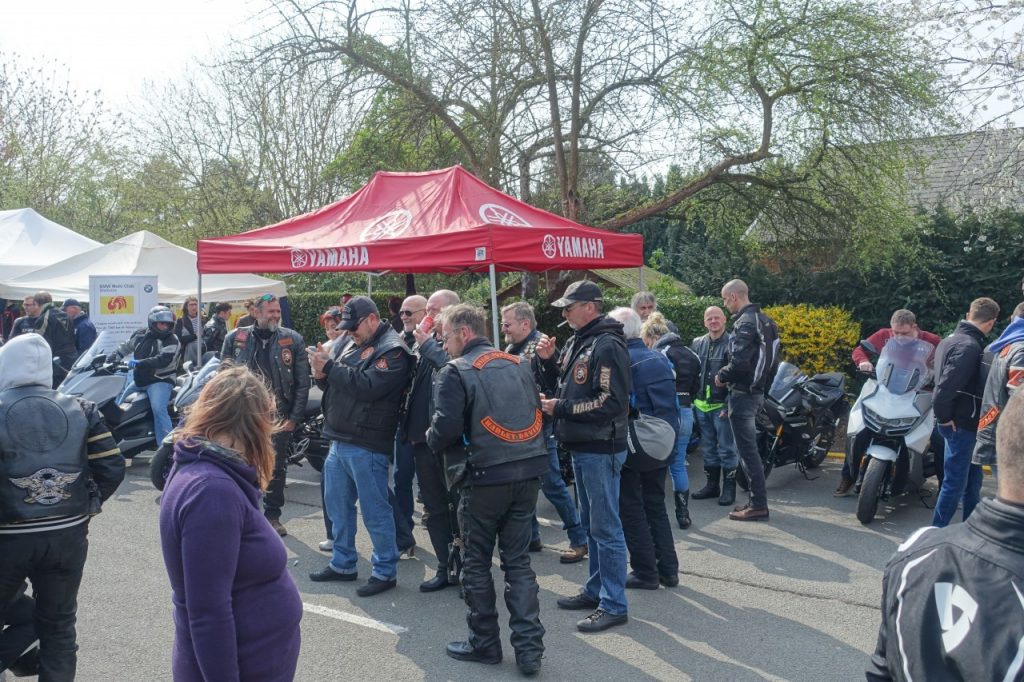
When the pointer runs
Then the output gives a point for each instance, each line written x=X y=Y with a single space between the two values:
x=793 y=599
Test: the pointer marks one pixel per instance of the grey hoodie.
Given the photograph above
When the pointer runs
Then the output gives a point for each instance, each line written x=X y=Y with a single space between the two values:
x=24 y=361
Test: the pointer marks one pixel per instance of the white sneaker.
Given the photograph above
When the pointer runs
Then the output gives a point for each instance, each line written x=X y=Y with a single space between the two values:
x=326 y=546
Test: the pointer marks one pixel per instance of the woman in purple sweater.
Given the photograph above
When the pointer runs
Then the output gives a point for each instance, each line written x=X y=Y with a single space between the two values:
x=236 y=608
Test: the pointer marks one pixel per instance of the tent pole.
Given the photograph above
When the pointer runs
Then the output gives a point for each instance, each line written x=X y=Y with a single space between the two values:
x=369 y=283
x=641 y=280
x=494 y=306
x=199 y=314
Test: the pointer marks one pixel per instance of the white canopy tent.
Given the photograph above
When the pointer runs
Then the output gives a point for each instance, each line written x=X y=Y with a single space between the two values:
x=28 y=241
x=141 y=253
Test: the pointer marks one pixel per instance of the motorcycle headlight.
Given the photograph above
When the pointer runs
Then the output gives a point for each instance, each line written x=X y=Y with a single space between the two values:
x=898 y=422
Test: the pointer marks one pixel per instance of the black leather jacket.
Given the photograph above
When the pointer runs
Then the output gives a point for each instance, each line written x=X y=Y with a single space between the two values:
x=753 y=352
x=960 y=377
x=685 y=364
x=157 y=356
x=290 y=378
x=593 y=380
x=59 y=463
x=486 y=411
x=365 y=390
x=430 y=357
x=54 y=326
x=953 y=601
x=714 y=355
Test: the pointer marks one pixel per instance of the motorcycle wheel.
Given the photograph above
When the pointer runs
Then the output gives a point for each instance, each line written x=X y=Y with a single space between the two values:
x=814 y=457
x=870 y=490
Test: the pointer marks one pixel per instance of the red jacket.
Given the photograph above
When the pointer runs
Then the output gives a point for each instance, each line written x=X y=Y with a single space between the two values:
x=879 y=338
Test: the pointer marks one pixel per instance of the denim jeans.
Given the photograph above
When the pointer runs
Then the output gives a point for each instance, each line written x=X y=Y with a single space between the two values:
x=743 y=409
x=598 y=478
x=405 y=469
x=717 y=446
x=962 y=480
x=555 y=490
x=159 y=395
x=680 y=480
x=353 y=473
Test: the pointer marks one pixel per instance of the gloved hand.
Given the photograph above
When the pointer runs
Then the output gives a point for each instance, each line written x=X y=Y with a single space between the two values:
x=133 y=363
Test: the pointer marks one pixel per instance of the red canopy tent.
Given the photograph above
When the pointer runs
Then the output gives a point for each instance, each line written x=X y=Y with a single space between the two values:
x=439 y=221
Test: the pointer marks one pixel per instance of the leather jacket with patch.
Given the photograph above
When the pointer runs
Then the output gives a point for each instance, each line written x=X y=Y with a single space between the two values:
x=365 y=389
x=289 y=379
x=1005 y=378
x=593 y=386
x=58 y=461
x=953 y=601
x=486 y=411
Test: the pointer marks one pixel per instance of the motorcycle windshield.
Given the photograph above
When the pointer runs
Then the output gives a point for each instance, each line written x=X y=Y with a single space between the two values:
x=903 y=364
x=190 y=392
x=787 y=375
x=104 y=344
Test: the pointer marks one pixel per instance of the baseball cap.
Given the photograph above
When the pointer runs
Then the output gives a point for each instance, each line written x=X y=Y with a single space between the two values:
x=70 y=302
x=579 y=291
x=355 y=311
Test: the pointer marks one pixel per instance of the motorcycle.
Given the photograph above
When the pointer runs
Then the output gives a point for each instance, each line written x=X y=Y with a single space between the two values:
x=797 y=423
x=93 y=378
x=307 y=442
x=891 y=426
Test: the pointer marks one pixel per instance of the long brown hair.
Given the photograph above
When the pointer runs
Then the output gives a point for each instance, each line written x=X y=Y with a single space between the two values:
x=236 y=406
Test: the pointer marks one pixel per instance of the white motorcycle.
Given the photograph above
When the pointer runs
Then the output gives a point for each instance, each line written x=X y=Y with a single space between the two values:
x=891 y=425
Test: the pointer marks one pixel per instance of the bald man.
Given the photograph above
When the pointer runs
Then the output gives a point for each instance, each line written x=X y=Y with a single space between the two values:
x=753 y=361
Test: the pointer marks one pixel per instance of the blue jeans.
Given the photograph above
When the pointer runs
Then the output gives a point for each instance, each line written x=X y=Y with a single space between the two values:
x=680 y=480
x=405 y=469
x=961 y=480
x=598 y=477
x=558 y=495
x=717 y=446
x=353 y=473
x=159 y=395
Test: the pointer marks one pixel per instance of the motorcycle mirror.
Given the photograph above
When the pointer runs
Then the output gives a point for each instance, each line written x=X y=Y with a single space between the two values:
x=187 y=367
x=868 y=346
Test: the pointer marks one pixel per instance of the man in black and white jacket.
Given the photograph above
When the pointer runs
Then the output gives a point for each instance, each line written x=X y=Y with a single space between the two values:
x=953 y=598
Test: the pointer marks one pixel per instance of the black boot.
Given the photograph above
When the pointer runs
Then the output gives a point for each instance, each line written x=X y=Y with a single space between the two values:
x=710 y=488
x=728 y=487
x=683 y=509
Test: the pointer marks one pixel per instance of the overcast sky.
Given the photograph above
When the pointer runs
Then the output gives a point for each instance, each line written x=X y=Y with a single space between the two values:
x=115 y=45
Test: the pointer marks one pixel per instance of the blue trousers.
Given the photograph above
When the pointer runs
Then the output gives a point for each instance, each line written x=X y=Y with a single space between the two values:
x=353 y=473
x=598 y=478
x=961 y=479
x=555 y=490
x=680 y=479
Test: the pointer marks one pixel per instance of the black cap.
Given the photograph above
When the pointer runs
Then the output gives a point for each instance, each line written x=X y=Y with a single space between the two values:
x=355 y=311
x=70 y=302
x=579 y=291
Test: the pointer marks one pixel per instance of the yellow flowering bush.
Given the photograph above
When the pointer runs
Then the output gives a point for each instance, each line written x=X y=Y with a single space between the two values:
x=816 y=339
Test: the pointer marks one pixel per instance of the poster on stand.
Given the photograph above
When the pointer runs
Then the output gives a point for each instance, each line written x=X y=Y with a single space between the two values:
x=121 y=304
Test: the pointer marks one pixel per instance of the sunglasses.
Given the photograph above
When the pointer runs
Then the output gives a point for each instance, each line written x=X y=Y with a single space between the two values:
x=410 y=313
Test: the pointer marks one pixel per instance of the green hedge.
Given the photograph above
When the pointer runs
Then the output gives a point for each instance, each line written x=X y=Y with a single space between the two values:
x=307 y=307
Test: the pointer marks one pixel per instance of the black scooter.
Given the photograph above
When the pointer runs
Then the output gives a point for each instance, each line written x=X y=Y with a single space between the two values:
x=95 y=379
x=797 y=423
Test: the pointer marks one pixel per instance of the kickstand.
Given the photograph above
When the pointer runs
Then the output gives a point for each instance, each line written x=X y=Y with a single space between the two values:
x=803 y=470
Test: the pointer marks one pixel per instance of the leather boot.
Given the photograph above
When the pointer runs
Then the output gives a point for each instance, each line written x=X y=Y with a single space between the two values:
x=683 y=509
x=728 y=487
x=710 y=488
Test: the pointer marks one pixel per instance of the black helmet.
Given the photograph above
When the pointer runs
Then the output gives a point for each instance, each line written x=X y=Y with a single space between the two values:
x=160 y=313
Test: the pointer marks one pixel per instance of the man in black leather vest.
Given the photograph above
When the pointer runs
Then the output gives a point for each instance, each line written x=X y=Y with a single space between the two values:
x=58 y=462
x=364 y=389
x=278 y=355
x=488 y=423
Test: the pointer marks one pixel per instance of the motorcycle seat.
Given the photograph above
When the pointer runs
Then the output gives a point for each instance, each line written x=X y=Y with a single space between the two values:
x=313 y=402
x=829 y=379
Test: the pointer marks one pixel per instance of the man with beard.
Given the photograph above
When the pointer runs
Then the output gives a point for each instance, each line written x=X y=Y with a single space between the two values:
x=590 y=410
x=364 y=387
x=278 y=355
